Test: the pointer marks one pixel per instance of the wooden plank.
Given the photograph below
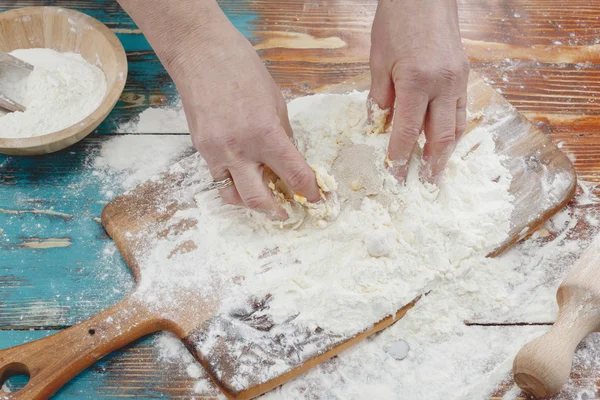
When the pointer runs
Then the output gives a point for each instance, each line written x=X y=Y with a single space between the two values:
x=137 y=372
x=553 y=94
x=491 y=29
x=133 y=372
x=57 y=266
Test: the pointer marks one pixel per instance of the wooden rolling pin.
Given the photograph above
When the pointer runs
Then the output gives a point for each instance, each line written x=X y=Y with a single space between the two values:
x=543 y=365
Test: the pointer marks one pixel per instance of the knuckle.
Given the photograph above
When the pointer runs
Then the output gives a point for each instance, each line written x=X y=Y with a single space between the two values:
x=256 y=202
x=264 y=132
x=410 y=133
x=228 y=141
x=450 y=74
x=444 y=139
x=228 y=198
x=230 y=146
x=272 y=127
x=298 y=177
x=456 y=72
x=417 y=75
x=202 y=143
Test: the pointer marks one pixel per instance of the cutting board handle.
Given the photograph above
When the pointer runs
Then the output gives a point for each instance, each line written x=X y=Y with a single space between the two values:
x=53 y=361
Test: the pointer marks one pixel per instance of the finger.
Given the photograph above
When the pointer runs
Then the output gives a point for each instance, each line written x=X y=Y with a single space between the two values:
x=229 y=195
x=289 y=165
x=285 y=121
x=248 y=179
x=382 y=94
x=461 y=118
x=440 y=130
x=411 y=106
x=382 y=90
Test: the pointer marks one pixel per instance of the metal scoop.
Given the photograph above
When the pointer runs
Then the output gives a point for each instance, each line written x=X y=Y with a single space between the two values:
x=8 y=63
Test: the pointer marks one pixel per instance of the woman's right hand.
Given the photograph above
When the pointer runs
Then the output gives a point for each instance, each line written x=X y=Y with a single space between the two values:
x=238 y=122
x=236 y=114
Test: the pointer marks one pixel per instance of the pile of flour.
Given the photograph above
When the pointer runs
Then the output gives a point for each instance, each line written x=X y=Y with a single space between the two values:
x=431 y=352
x=389 y=244
x=375 y=258
x=62 y=90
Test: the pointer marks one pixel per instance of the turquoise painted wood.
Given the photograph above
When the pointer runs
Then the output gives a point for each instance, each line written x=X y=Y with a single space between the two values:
x=57 y=266
x=148 y=83
x=131 y=372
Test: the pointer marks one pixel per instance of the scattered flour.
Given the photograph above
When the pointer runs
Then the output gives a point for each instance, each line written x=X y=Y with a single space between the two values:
x=131 y=159
x=367 y=263
x=62 y=90
x=158 y=120
x=171 y=350
x=445 y=357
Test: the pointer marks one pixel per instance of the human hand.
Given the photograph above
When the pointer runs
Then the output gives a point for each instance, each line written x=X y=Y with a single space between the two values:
x=418 y=64
x=238 y=121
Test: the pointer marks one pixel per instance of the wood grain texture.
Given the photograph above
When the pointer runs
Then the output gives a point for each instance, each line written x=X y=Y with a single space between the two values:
x=53 y=361
x=498 y=42
x=533 y=160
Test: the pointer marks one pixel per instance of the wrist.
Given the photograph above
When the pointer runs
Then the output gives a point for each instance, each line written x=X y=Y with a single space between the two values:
x=421 y=9
x=182 y=30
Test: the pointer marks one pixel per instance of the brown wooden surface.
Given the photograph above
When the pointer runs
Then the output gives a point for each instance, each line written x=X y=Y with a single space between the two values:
x=53 y=361
x=554 y=85
x=533 y=160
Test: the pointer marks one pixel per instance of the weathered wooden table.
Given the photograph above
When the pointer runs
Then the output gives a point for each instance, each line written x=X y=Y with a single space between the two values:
x=55 y=270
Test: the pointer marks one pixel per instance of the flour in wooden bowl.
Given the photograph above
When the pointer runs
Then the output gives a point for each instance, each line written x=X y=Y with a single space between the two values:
x=62 y=90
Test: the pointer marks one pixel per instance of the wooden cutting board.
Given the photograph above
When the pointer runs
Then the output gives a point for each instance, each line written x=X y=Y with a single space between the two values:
x=543 y=182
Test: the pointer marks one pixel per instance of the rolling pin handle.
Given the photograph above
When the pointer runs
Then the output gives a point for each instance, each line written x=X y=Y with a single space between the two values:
x=543 y=366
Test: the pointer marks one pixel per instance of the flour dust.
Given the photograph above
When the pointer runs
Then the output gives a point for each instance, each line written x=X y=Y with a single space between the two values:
x=388 y=255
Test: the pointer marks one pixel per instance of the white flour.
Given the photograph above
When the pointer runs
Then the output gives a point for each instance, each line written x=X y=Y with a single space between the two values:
x=129 y=160
x=446 y=358
x=158 y=120
x=366 y=264
x=61 y=91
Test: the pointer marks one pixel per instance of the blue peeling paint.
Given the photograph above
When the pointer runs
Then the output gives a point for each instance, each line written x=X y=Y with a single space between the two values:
x=64 y=285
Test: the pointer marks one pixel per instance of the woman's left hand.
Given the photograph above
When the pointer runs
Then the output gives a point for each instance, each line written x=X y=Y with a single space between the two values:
x=418 y=64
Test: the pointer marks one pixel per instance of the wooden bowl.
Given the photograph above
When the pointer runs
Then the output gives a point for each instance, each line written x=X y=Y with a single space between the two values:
x=64 y=30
